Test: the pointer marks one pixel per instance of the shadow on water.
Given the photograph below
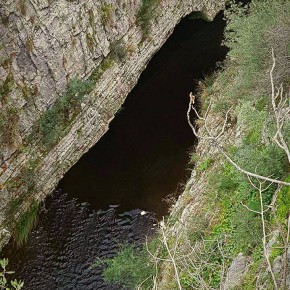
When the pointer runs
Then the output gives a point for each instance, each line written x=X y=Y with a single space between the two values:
x=140 y=160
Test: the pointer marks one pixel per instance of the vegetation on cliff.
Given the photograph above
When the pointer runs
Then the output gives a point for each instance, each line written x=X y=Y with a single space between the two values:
x=145 y=15
x=248 y=102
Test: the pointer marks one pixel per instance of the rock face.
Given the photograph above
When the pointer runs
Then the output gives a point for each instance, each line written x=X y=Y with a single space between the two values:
x=237 y=271
x=44 y=46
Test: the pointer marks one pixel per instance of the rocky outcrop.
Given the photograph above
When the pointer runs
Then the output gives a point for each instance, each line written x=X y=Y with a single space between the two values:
x=44 y=46
x=237 y=271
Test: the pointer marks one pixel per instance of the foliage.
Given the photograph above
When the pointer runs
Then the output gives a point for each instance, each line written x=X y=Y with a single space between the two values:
x=283 y=203
x=241 y=84
x=145 y=15
x=6 y=87
x=13 y=206
x=55 y=121
x=25 y=223
x=251 y=32
x=90 y=42
x=130 y=267
x=99 y=70
x=8 y=125
x=4 y=281
x=118 y=50
x=107 y=11
x=205 y=164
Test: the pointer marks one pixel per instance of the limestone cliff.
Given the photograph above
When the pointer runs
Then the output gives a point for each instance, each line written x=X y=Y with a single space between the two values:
x=66 y=68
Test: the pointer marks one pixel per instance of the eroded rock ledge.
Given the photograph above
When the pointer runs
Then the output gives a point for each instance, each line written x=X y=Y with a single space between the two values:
x=44 y=45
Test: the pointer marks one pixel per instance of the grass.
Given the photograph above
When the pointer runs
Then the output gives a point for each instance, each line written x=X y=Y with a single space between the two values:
x=25 y=182
x=25 y=224
x=13 y=206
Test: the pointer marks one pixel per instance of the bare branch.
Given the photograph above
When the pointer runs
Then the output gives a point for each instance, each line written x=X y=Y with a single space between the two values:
x=279 y=110
x=171 y=257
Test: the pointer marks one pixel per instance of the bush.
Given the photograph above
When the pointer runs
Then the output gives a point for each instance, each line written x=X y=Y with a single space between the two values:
x=98 y=71
x=53 y=123
x=130 y=268
x=118 y=50
x=7 y=87
x=107 y=11
x=145 y=15
x=283 y=203
x=205 y=164
x=8 y=124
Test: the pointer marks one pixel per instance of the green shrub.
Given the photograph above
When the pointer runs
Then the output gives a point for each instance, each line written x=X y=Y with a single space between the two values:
x=107 y=12
x=8 y=124
x=118 y=50
x=247 y=232
x=283 y=203
x=99 y=70
x=6 y=87
x=54 y=122
x=25 y=224
x=145 y=15
x=130 y=268
x=205 y=164
x=259 y=158
x=90 y=42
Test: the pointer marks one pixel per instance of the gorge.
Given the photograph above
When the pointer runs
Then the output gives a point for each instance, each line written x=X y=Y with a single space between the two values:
x=50 y=50
x=135 y=165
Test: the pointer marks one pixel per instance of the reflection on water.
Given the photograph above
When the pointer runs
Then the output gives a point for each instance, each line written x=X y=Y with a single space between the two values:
x=139 y=161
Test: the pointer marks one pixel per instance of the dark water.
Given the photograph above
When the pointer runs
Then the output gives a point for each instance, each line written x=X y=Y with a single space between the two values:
x=139 y=161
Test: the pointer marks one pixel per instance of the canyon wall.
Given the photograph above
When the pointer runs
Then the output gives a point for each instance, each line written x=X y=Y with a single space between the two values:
x=66 y=68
